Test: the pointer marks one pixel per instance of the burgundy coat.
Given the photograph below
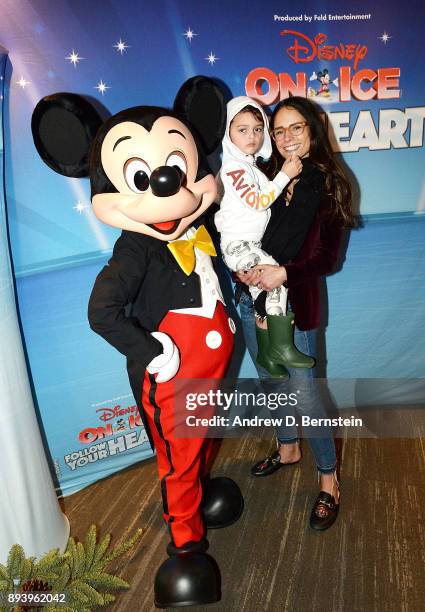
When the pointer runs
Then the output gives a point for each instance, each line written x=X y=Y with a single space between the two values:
x=316 y=258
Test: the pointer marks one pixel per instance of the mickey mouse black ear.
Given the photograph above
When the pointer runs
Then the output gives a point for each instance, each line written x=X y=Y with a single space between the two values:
x=201 y=102
x=64 y=126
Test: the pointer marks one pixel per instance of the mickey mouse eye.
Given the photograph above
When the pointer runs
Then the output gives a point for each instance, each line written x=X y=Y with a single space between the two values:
x=177 y=160
x=136 y=174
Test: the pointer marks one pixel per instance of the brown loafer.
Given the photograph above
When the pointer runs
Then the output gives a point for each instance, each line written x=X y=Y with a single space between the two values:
x=269 y=465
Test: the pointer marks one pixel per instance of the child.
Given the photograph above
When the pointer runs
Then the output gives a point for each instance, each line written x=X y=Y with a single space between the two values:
x=245 y=206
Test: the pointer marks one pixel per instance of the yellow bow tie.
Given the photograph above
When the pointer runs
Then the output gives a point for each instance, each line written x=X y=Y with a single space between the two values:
x=184 y=250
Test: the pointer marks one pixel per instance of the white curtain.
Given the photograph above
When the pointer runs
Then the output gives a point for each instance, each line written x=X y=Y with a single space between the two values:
x=29 y=511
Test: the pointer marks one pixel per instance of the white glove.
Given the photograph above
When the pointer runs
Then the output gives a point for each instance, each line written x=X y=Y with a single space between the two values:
x=168 y=362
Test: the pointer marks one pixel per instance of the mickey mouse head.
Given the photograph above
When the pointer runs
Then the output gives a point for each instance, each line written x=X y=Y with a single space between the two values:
x=324 y=76
x=147 y=165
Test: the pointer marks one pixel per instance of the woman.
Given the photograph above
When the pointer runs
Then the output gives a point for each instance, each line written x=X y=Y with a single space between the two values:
x=303 y=235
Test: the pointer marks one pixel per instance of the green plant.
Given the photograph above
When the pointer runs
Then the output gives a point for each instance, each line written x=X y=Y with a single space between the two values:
x=78 y=577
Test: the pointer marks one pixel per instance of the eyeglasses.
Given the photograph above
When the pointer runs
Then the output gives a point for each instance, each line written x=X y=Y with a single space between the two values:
x=296 y=129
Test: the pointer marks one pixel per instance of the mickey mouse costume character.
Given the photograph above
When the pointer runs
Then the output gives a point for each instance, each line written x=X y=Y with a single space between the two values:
x=158 y=300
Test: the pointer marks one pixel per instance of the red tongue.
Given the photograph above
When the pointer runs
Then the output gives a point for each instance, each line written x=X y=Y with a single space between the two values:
x=165 y=225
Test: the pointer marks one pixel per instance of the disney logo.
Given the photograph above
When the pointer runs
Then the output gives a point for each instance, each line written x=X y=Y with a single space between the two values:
x=106 y=414
x=304 y=49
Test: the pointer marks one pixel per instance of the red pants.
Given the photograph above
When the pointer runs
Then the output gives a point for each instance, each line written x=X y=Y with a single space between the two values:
x=205 y=347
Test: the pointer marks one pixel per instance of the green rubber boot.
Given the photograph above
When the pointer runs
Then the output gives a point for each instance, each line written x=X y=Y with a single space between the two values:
x=281 y=347
x=263 y=358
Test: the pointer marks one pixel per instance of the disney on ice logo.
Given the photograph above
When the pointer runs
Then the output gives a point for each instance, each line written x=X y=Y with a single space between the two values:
x=89 y=435
x=304 y=49
x=342 y=83
x=121 y=423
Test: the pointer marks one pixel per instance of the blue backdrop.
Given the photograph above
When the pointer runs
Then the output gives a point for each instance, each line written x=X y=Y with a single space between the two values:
x=125 y=54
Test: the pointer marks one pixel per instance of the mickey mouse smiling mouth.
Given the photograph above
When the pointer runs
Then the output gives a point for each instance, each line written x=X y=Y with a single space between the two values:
x=168 y=227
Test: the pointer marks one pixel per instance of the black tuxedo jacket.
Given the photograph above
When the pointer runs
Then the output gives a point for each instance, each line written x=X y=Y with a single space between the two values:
x=131 y=295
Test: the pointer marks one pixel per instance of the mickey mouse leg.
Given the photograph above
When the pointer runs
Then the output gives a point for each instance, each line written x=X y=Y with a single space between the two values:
x=189 y=576
x=190 y=496
x=179 y=463
x=182 y=463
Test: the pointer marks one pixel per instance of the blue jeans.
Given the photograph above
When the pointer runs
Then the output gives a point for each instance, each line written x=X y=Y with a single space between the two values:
x=323 y=448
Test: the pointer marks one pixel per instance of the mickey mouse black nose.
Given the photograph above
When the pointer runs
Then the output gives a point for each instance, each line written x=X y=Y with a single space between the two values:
x=165 y=181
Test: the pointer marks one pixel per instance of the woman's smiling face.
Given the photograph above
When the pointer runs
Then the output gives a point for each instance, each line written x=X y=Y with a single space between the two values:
x=290 y=143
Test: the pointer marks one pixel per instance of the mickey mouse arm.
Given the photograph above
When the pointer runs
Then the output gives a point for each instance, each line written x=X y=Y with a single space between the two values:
x=115 y=288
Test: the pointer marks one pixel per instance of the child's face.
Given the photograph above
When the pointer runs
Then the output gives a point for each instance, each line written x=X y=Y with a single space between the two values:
x=247 y=133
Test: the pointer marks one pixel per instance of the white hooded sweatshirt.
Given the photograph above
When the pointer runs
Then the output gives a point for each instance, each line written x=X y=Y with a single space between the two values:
x=248 y=194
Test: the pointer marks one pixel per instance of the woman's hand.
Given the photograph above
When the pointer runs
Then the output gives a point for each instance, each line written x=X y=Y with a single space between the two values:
x=249 y=277
x=270 y=276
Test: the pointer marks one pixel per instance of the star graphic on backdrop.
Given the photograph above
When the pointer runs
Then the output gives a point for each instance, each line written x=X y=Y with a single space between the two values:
x=385 y=37
x=74 y=58
x=121 y=46
x=80 y=206
x=212 y=58
x=189 y=34
x=22 y=82
x=102 y=87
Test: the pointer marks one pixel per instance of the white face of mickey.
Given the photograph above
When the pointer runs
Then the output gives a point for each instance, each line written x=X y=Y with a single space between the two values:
x=129 y=155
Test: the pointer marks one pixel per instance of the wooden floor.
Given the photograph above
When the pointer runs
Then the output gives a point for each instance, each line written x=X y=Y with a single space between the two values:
x=372 y=559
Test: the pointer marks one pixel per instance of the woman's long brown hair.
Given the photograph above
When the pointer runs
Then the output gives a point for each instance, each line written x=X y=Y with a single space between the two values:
x=337 y=186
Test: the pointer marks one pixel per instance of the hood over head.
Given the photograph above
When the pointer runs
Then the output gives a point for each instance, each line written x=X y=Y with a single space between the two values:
x=229 y=149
